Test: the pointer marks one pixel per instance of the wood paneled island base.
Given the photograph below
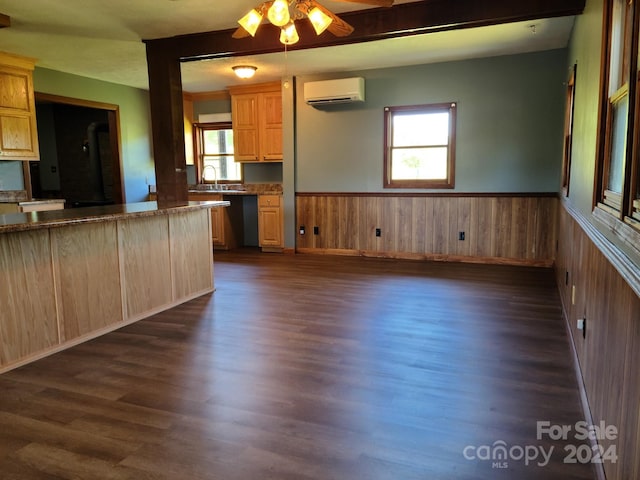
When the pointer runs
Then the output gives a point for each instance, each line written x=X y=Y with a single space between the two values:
x=69 y=276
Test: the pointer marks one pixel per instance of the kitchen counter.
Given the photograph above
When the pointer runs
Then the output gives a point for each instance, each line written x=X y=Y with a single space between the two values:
x=18 y=222
x=13 y=195
x=234 y=192
x=41 y=205
x=237 y=188
x=42 y=201
x=72 y=275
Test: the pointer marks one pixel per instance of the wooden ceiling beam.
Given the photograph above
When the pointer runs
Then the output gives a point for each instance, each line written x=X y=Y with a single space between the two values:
x=373 y=24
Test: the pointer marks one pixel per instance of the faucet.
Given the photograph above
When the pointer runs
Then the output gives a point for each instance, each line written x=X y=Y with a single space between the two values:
x=206 y=177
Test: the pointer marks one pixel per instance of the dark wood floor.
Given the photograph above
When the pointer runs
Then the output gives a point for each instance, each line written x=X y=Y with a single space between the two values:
x=308 y=367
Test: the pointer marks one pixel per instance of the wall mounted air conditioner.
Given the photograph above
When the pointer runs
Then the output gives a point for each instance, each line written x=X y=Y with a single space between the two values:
x=327 y=92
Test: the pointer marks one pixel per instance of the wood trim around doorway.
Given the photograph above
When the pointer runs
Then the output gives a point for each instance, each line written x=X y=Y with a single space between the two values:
x=113 y=113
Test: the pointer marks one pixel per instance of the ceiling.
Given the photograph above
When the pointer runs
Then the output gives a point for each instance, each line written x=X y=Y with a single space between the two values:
x=103 y=40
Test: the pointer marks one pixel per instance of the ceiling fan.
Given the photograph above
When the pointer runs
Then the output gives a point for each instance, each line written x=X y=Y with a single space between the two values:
x=284 y=13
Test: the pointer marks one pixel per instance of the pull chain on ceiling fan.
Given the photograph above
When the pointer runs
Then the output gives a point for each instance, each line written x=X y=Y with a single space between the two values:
x=284 y=13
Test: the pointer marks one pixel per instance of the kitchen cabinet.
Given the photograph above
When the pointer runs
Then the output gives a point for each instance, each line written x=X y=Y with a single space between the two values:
x=87 y=274
x=256 y=112
x=226 y=223
x=270 y=224
x=217 y=227
x=18 y=130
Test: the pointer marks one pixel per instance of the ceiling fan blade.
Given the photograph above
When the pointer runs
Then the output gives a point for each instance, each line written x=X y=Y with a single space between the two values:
x=378 y=3
x=338 y=27
x=240 y=33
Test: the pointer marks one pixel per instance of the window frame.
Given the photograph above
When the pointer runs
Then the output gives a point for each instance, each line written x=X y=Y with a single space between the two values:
x=568 y=129
x=607 y=196
x=617 y=210
x=449 y=181
x=198 y=153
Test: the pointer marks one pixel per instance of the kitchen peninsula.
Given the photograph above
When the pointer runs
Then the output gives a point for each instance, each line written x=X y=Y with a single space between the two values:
x=72 y=275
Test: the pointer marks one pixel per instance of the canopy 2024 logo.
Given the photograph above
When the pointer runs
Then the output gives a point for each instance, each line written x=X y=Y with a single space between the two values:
x=500 y=453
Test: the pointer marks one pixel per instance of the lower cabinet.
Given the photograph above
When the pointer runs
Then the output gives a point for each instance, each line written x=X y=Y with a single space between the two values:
x=226 y=223
x=270 y=224
x=217 y=227
x=68 y=283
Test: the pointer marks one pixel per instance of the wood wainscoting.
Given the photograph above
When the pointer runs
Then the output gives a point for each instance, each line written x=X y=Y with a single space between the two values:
x=518 y=229
x=593 y=287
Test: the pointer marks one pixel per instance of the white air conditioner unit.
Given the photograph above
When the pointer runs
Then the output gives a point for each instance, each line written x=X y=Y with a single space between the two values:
x=326 y=92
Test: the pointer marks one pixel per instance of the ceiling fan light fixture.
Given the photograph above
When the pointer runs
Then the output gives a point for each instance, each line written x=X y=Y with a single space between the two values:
x=319 y=20
x=244 y=71
x=278 y=13
x=289 y=34
x=251 y=21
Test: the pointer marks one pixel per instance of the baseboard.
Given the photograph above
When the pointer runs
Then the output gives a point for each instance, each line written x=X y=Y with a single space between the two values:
x=429 y=257
x=584 y=400
x=272 y=249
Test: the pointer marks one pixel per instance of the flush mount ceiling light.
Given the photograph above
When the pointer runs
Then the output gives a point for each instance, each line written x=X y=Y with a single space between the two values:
x=244 y=71
x=284 y=13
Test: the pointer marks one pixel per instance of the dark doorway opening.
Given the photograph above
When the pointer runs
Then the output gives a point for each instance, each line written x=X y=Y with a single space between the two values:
x=80 y=157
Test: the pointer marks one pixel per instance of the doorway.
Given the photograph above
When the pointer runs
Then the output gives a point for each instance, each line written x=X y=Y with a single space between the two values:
x=80 y=158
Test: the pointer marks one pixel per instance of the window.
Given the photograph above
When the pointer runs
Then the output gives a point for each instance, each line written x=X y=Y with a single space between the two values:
x=616 y=148
x=568 y=130
x=419 y=150
x=214 y=147
x=617 y=192
x=616 y=157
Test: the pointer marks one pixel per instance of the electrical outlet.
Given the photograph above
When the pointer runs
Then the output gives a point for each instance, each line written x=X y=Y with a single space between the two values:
x=301 y=229
x=582 y=325
x=316 y=230
x=460 y=235
x=378 y=232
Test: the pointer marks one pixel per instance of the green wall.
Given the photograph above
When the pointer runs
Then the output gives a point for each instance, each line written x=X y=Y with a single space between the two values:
x=135 y=122
x=509 y=124
x=11 y=175
x=584 y=51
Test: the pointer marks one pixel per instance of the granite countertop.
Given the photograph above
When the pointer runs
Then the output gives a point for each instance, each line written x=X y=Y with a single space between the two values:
x=18 y=222
x=231 y=189
x=237 y=189
x=233 y=192
x=42 y=201
x=13 y=196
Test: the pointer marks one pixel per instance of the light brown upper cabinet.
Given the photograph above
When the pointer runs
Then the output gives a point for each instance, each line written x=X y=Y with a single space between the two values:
x=256 y=112
x=18 y=130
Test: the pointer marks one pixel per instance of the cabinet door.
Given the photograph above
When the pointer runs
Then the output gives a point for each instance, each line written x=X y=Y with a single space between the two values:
x=217 y=226
x=270 y=227
x=245 y=127
x=18 y=134
x=271 y=126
